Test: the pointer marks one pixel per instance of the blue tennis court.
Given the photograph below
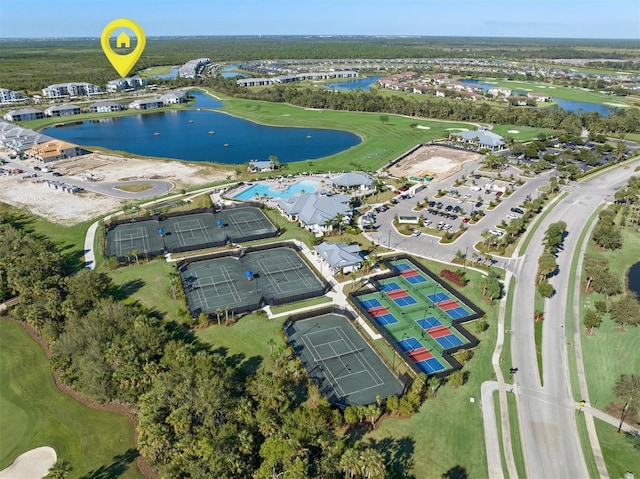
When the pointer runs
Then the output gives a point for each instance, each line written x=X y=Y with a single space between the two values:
x=430 y=322
x=386 y=319
x=392 y=286
x=370 y=303
x=449 y=341
x=405 y=301
x=409 y=344
x=415 y=279
x=437 y=297
x=431 y=365
x=458 y=312
x=402 y=267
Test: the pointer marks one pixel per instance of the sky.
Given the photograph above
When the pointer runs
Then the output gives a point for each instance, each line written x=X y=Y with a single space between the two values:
x=492 y=18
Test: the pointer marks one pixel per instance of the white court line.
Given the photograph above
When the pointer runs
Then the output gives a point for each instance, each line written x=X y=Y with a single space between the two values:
x=232 y=287
x=182 y=232
x=371 y=370
x=120 y=239
x=319 y=364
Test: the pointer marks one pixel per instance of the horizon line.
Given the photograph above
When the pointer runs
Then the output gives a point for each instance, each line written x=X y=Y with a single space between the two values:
x=344 y=35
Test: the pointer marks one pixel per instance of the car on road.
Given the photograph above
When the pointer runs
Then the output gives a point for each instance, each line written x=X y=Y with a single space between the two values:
x=56 y=173
x=416 y=233
x=517 y=210
x=465 y=220
x=37 y=168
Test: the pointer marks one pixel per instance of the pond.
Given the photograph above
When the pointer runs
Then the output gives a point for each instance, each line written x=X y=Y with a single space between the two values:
x=204 y=135
x=633 y=278
x=569 y=105
x=167 y=76
x=356 y=84
x=229 y=71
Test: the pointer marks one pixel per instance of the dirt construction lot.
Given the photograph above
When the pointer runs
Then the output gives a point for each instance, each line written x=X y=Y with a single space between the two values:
x=34 y=195
x=436 y=160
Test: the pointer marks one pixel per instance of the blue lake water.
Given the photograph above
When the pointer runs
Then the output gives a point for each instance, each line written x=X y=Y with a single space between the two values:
x=569 y=105
x=265 y=189
x=167 y=76
x=355 y=84
x=634 y=279
x=204 y=135
x=228 y=72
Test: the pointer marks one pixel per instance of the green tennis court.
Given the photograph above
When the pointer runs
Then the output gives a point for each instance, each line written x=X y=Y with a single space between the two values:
x=339 y=361
x=187 y=232
x=268 y=276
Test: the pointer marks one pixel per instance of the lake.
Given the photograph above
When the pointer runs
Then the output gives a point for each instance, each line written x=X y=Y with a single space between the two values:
x=229 y=72
x=634 y=279
x=167 y=76
x=204 y=135
x=569 y=105
x=356 y=84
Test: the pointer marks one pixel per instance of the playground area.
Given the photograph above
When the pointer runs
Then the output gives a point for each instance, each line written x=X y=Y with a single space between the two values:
x=188 y=232
x=339 y=361
x=247 y=281
x=419 y=315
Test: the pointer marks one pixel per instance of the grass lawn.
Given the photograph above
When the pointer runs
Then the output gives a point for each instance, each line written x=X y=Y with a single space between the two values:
x=159 y=70
x=562 y=92
x=300 y=304
x=248 y=340
x=134 y=188
x=447 y=432
x=610 y=353
x=35 y=413
x=620 y=453
x=525 y=133
x=148 y=284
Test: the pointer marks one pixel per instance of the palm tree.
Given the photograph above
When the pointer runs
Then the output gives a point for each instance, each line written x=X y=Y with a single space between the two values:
x=338 y=218
x=275 y=163
x=372 y=464
x=226 y=315
x=135 y=253
x=218 y=314
x=349 y=462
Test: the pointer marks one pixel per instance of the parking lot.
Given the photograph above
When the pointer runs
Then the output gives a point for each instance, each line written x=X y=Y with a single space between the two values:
x=465 y=205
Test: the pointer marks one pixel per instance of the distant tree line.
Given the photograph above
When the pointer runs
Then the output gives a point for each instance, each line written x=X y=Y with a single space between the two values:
x=625 y=120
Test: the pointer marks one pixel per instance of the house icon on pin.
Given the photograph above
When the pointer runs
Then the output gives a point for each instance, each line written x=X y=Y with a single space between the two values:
x=123 y=41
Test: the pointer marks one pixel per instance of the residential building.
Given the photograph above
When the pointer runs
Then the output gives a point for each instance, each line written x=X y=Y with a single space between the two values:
x=54 y=150
x=146 y=104
x=193 y=68
x=316 y=213
x=297 y=77
x=105 y=107
x=24 y=114
x=481 y=138
x=339 y=257
x=9 y=96
x=20 y=139
x=70 y=89
x=499 y=91
x=537 y=96
x=63 y=110
x=174 y=97
x=127 y=83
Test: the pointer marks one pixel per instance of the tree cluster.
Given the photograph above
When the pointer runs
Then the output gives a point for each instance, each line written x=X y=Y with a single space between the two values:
x=606 y=233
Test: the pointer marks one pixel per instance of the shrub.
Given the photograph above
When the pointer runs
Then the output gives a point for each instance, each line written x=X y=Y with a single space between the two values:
x=453 y=277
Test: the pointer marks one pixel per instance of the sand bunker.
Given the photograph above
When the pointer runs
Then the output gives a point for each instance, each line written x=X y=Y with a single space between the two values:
x=33 y=464
x=435 y=160
x=458 y=129
x=513 y=131
x=422 y=127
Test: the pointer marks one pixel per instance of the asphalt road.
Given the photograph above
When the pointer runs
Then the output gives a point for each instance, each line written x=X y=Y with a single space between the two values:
x=550 y=439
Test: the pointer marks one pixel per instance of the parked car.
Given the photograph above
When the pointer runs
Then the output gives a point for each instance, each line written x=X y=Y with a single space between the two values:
x=56 y=173
x=478 y=204
x=517 y=210
x=416 y=233
x=427 y=222
x=511 y=216
x=37 y=168
x=449 y=208
x=465 y=220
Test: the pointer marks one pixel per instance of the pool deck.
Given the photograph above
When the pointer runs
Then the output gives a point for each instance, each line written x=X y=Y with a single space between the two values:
x=281 y=183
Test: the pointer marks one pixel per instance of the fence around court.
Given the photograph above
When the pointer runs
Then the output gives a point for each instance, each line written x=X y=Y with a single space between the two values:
x=403 y=379
x=271 y=300
x=394 y=272
x=154 y=222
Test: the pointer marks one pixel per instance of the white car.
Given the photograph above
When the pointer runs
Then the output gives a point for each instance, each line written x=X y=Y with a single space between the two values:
x=427 y=222
x=416 y=233
x=511 y=216
x=496 y=232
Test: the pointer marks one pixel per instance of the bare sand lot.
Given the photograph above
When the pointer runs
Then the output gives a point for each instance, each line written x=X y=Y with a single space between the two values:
x=436 y=160
x=34 y=195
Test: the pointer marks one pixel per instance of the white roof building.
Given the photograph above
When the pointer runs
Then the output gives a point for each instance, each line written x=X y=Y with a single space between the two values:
x=352 y=180
x=70 y=89
x=316 y=212
x=339 y=256
x=483 y=137
x=9 y=96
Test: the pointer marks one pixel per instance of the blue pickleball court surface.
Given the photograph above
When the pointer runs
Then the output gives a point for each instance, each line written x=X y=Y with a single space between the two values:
x=430 y=322
x=385 y=319
x=409 y=344
x=388 y=287
x=405 y=301
x=415 y=279
x=449 y=341
x=437 y=297
x=431 y=365
x=403 y=267
x=370 y=303
x=458 y=312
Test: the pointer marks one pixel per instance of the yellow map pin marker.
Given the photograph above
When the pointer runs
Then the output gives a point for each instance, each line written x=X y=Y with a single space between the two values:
x=123 y=63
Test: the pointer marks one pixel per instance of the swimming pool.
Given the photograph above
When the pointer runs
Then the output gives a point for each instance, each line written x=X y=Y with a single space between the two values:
x=261 y=189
